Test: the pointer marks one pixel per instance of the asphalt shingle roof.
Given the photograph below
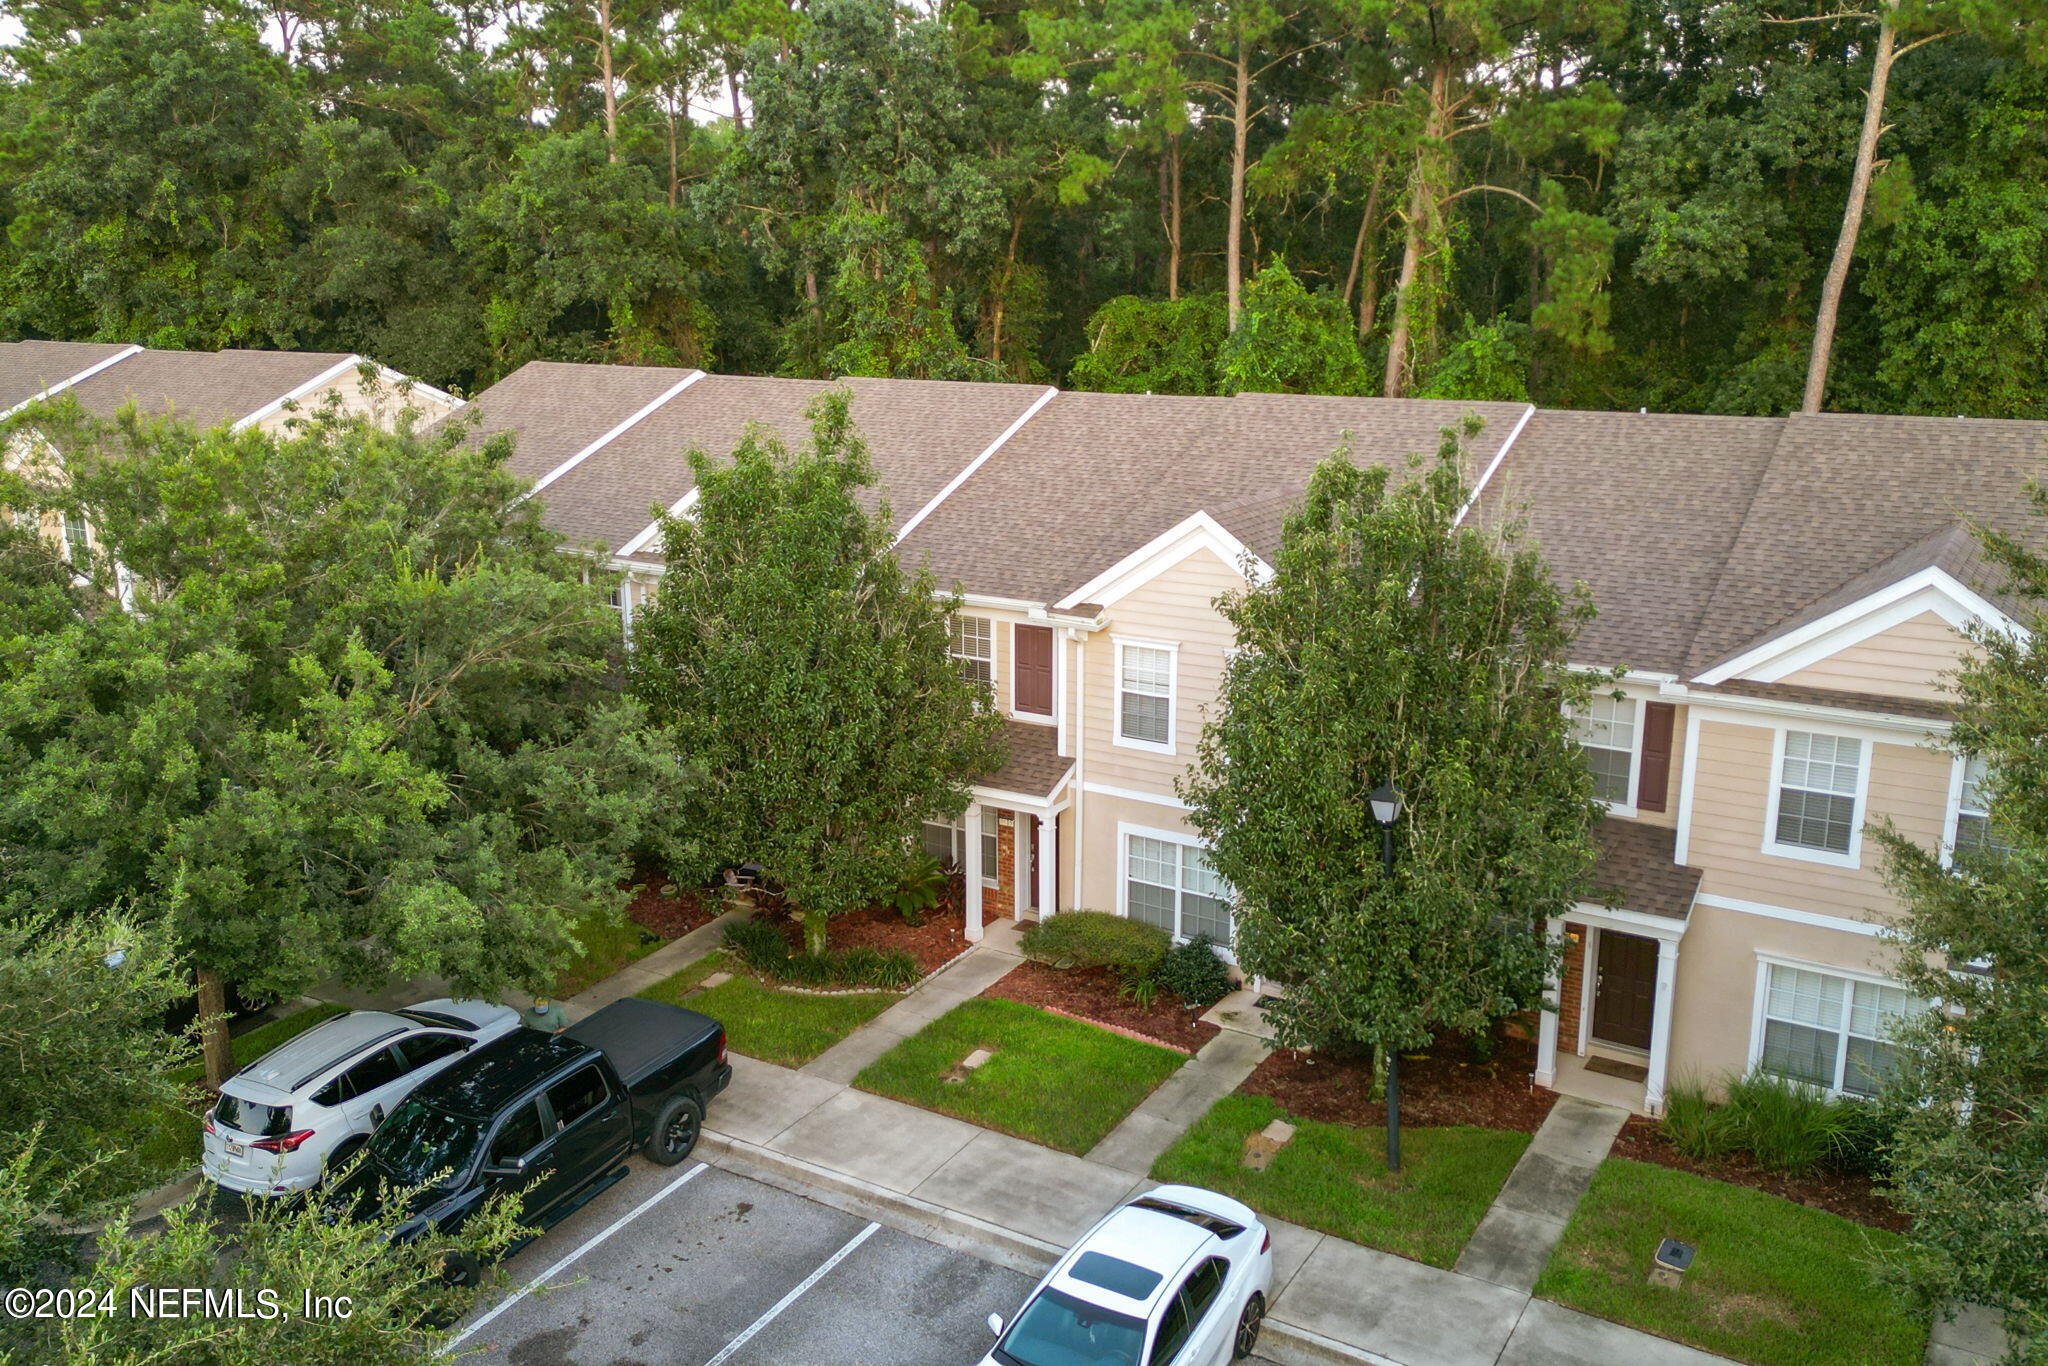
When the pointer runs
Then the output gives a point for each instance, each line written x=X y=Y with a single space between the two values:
x=1638 y=871
x=1035 y=767
x=27 y=368
x=1094 y=477
x=205 y=388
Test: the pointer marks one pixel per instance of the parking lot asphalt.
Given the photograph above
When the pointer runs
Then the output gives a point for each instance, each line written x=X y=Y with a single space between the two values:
x=701 y=1267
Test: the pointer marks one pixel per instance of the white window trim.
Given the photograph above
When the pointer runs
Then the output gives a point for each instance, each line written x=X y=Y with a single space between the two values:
x=1866 y=753
x=1952 y=813
x=1124 y=831
x=990 y=622
x=1116 y=719
x=1635 y=760
x=991 y=864
x=1759 y=1008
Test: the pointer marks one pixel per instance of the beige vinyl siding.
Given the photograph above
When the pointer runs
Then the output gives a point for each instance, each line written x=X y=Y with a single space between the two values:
x=1177 y=608
x=1101 y=859
x=377 y=400
x=1713 y=1007
x=1731 y=798
x=1909 y=660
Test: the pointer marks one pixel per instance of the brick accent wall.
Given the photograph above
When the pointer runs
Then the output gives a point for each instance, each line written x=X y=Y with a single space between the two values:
x=1002 y=898
x=1571 y=989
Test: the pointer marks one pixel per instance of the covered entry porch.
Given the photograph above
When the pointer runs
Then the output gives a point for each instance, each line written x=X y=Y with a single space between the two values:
x=1011 y=856
x=1609 y=1036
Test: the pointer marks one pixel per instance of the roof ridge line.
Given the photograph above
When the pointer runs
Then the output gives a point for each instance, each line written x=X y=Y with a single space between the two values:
x=614 y=434
x=83 y=375
x=952 y=485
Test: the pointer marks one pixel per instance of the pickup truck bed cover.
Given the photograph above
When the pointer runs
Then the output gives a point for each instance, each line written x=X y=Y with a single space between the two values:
x=641 y=1036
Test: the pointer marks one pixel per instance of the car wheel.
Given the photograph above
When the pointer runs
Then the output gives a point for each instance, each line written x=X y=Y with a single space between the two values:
x=461 y=1269
x=344 y=1153
x=1248 y=1325
x=675 y=1131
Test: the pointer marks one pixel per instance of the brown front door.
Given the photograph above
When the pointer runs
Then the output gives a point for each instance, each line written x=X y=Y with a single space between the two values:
x=1625 y=991
x=1032 y=670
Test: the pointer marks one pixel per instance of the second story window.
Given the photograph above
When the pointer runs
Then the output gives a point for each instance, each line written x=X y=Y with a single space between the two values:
x=1607 y=738
x=1974 y=832
x=77 y=540
x=1818 y=783
x=1144 y=696
x=974 y=646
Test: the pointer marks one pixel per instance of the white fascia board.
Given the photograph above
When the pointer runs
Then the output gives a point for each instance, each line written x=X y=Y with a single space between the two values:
x=1882 y=728
x=61 y=385
x=646 y=534
x=1930 y=590
x=1198 y=531
x=417 y=386
x=327 y=376
x=1492 y=465
x=613 y=435
x=967 y=472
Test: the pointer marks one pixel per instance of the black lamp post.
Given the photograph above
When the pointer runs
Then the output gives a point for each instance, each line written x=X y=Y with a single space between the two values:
x=1385 y=802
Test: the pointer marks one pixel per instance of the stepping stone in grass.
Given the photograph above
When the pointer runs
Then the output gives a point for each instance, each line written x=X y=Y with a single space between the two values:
x=1260 y=1148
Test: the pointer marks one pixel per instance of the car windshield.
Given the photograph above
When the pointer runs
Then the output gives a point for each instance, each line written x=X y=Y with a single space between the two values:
x=251 y=1117
x=419 y=1143
x=1058 y=1330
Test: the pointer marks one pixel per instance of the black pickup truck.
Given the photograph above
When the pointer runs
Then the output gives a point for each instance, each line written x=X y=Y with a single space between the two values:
x=550 y=1118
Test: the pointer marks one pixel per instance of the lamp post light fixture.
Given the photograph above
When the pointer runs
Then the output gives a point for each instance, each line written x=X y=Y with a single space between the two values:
x=1385 y=803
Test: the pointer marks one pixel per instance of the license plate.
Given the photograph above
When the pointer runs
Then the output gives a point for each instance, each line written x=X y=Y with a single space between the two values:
x=236 y=1150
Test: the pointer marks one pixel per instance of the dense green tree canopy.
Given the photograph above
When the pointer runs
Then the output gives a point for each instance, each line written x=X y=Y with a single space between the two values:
x=364 y=719
x=1390 y=648
x=806 y=675
x=1970 y=1095
x=1601 y=203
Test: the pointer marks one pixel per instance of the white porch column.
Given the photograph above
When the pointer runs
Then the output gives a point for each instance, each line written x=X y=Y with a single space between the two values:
x=1546 y=1022
x=1048 y=866
x=972 y=859
x=1660 y=1026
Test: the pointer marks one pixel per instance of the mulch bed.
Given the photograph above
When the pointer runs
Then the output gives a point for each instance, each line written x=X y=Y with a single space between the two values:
x=1855 y=1198
x=938 y=941
x=1439 y=1086
x=1091 y=994
x=672 y=917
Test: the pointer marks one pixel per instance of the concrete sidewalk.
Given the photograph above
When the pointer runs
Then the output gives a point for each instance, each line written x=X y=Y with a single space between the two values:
x=1162 y=1117
x=1022 y=1205
x=961 y=980
x=1513 y=1242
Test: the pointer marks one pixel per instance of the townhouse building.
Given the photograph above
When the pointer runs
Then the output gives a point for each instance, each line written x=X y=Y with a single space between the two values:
x=1780 y=599
x=261 y=390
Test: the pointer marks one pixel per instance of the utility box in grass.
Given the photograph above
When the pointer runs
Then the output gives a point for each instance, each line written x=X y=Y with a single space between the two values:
x=1672 y=1260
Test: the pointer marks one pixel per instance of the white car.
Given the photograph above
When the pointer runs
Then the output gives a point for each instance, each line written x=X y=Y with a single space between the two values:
x=1177 y=1277
x=313 y=1100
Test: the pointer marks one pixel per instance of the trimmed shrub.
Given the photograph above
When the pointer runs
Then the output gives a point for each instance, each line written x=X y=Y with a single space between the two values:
x=1787 y=1126
x=1863 y=1144
x=760 y=944
x=1694 y=1125
x=1097 y=939
x=1193 y=972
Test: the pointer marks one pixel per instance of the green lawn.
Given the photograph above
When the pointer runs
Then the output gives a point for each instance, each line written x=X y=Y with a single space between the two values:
x=1774 y=1283
x=1052 y=1080
x=169 y=1136
x=783 y=1027
x=609 y=944
x=1333 y=1177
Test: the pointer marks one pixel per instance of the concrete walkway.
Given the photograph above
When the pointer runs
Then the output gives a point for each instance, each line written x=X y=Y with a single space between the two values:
x=1513 y=1242
x=963 y=979
x=1213 y=1073
x=664 y=963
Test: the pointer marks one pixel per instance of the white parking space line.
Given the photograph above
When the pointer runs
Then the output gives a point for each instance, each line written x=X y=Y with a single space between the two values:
x=628 y=1217
x=793 y=1296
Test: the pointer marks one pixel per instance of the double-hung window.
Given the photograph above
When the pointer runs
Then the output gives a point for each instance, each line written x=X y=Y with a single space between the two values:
x=974 y=648
x=1974 y=833
x=77 y=539
x=1607 y=738
x=1171 y=885
x=1144 y=688
x=947 y=842
x=1820 y=779
x=1828 y=1031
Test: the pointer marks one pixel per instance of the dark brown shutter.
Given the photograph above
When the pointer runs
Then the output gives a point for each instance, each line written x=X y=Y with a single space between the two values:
x=1033 y=669
x=1655 y=779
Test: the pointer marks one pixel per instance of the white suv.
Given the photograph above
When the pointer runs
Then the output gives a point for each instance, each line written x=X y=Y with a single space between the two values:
x=313 y=1100
x=1177 y=1276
